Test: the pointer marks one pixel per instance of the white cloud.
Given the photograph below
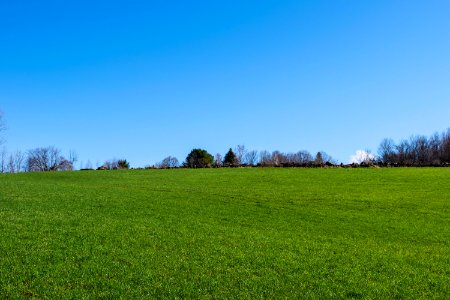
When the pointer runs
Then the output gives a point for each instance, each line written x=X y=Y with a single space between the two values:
x=361 y=156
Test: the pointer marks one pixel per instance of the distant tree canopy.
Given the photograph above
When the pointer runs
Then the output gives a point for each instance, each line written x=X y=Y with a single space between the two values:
x=199 y=158
x=230 y=159
x=299 y=159
x=123 y=164
x=417 y=151
x=115 y=164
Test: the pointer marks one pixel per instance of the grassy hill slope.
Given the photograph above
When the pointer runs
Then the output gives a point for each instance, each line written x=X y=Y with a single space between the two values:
x=226 y=233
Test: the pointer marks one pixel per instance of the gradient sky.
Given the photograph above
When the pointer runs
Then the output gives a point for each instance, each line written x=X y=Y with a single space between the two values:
x=142 y=80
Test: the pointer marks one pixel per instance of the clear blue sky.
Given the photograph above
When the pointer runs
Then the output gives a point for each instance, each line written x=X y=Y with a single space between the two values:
x=142 y=80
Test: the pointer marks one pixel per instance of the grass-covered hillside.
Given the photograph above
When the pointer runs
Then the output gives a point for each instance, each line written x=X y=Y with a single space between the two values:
x=226 y=233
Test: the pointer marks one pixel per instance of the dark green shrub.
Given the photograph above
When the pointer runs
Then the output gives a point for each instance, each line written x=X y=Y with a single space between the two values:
x=199 y=158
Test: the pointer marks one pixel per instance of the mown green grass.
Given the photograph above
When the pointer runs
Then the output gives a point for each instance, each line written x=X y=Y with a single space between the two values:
x=226 y=233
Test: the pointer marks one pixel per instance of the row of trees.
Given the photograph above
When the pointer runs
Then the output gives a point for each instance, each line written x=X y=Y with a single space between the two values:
x=49 y=159
x=38 y=159
x=45 y=159
x=417 y=151
x=11 y=163
x=200 y=158
x=114 y=164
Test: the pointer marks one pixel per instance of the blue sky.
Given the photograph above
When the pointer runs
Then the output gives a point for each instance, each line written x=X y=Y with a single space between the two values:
x=142 y=80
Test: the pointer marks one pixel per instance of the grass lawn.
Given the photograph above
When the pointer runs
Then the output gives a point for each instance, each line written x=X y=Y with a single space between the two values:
x=226 y=233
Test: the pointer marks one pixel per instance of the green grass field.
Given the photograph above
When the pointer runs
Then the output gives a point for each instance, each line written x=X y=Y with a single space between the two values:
x=226 y=233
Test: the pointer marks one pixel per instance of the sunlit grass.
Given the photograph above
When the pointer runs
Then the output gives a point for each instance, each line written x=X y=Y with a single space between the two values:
x=226 y=233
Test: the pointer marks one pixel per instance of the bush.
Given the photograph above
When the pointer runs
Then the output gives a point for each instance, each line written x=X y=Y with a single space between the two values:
x=199 y=158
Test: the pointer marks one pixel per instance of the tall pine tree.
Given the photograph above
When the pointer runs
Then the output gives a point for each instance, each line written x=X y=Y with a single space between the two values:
x=230 y=159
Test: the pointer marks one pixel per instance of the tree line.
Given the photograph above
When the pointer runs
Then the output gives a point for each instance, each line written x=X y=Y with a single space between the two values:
x=38 y=159
x=241 y=157
x=416 y=151
x=49 y=158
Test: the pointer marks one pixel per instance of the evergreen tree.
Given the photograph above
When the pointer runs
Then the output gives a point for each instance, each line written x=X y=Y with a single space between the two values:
x=123 y=164
x=319 y=159
x=230 y=159
x=199 y=158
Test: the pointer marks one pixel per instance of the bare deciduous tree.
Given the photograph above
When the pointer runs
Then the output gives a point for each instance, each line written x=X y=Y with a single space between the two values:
x=115 y=164
x=110 y=165
x=168 y=163
x=73 y=157
x=434 y=150
x=47 y=159
x=445 y=146
x=277 y=158
x=417 y=151
x=386 y=151
x=265 y=158
x=15 y=162
x=3 y=158
x=11 y=168
x=240 y=152
x=303 y=157
x=218 y=160
x=251 y=158
x=65 y=165
x=420 y=150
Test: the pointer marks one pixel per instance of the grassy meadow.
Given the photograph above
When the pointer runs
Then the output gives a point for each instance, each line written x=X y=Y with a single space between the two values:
x=226 y=233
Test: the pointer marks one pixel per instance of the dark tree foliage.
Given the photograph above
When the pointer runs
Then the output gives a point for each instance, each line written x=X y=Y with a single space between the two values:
x=230 y=159
x=123 y=164
x=199 y=158
x=115 y=164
